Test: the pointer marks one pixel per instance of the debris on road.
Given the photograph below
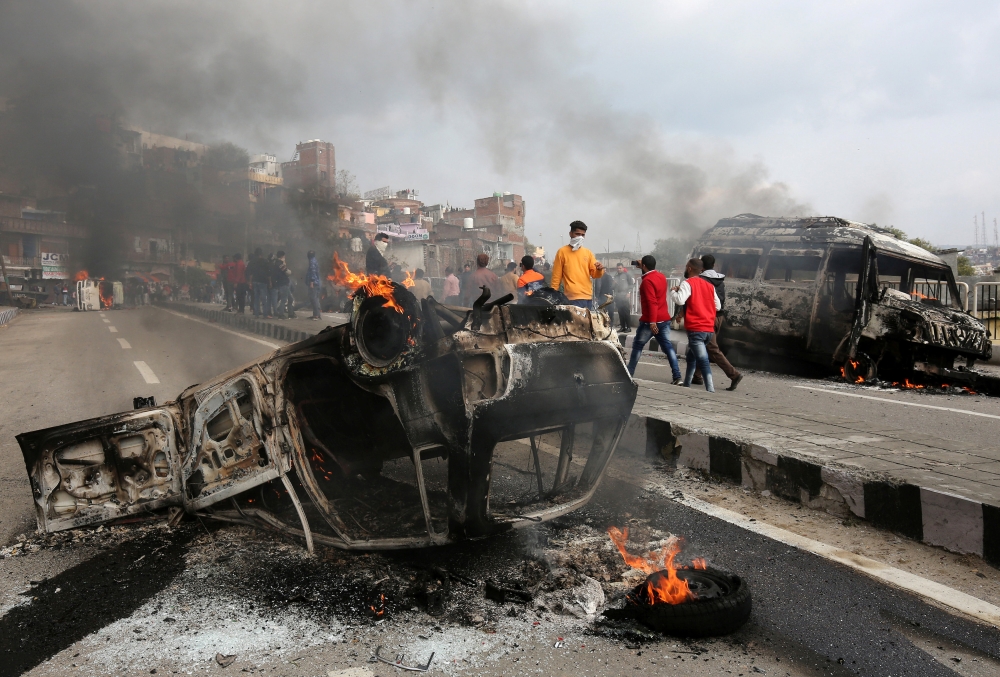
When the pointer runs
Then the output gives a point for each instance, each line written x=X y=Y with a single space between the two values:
x=225 y=661
x=398 y=662
x=388 y=426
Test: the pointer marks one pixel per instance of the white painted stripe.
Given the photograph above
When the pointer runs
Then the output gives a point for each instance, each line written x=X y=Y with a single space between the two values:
x=216 y=326
x=904 y=580
x=100 y=314
x=124 y=344
x=113 y=330
x=905 y=404
x=146 y=372
x=106 y=321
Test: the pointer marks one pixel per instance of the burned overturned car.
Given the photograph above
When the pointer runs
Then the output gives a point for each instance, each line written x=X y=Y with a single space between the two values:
x=843 y=294
x=381 y=433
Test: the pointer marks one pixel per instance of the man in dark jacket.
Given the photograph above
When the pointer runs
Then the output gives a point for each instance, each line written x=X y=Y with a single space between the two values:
x=375 y=263
x=259 y=274
x=623 y=287
x=718 y=280
x=280 y=277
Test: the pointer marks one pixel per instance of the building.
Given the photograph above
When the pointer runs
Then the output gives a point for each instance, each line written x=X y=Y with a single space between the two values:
x=38 y=244
x=313 y=166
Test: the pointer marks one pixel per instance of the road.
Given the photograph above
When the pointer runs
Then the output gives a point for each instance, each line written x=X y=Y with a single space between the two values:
x=136 y=599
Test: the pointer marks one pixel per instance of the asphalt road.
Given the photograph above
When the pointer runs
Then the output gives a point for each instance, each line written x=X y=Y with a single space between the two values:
x=144 y=599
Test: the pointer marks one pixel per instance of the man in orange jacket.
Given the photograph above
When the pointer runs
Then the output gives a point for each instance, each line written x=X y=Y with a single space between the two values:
x=575 y=267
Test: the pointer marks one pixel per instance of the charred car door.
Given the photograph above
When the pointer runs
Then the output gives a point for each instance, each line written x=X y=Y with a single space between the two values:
x=104 y=468
x=782 y=306
x=866 y=294
x=233 y=443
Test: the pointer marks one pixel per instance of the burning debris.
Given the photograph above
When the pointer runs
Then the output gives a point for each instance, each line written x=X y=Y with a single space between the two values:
x=378 y=434
x=678 y=600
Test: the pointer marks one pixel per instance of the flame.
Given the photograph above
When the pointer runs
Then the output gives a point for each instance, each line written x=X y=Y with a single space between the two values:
x=81 y=275
x=662 y=584
x=858 y=378
x=379 y=610
x=699 y=563
x=409 y=281
x=107 y=300
x=922 y=296
x=318 y=465
x=374 y=285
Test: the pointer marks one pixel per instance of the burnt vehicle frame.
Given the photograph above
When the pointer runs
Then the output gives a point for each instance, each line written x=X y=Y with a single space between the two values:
x=842 y=294
x=332 y=439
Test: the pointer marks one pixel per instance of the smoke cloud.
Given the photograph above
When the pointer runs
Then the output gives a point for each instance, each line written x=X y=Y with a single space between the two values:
x=504 y=83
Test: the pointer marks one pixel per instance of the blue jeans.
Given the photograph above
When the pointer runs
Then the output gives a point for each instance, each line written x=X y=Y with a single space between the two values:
x=642 y=335
x=279 y=301
x=697 y=355
x=314 y=299
x=581 y=303
x=261 y=299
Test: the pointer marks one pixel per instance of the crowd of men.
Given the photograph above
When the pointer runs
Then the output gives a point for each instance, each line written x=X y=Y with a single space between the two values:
x=266 y=284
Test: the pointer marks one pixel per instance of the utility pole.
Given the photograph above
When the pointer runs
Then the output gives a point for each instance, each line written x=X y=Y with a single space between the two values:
x=975 y=229
x=986 y=240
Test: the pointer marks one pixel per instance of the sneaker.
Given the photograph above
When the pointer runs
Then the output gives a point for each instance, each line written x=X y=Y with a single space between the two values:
x=677 y=382
x=735 y=382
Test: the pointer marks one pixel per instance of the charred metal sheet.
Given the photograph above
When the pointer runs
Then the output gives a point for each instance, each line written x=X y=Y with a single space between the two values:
x=380 y=433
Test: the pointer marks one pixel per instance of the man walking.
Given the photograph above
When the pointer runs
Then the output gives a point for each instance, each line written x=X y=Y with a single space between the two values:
x=280 y=275
x=239 y=278
x=655 y=318
x=701 y=304
x=623 y=287
x=575 y=267
x=314 y=284
x=375 y=263
x=452 y=290
x=718 y=280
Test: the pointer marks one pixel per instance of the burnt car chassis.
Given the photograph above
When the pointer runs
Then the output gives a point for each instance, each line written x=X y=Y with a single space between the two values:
x=389 y=425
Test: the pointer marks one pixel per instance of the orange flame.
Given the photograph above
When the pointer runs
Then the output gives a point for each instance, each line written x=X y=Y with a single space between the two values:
x=922 y=296
x=409 y=281
x=663 y=584
x=858 y=378
x=81 y=275
x=378 y=609
x=107 y=300
x=374 y=285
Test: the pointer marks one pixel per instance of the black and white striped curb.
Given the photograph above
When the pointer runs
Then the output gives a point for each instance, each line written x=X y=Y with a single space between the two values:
x=6 y=315
x=947 y=520
x=247 y=323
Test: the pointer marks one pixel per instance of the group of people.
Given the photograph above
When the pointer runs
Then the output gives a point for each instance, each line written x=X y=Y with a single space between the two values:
x=266 y=283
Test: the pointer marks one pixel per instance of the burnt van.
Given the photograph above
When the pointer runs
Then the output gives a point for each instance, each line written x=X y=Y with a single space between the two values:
x=843 y=294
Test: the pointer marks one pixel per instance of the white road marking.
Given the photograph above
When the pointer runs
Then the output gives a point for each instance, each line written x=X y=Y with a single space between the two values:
x=215 y=326
x=905 y=404
x=124 y=344
x=904 y=580
x=106 y=321
x=114 y=330
x=146 y=372
x=101 y=314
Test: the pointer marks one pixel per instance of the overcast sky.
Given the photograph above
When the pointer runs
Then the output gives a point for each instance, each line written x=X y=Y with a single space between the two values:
x=652 y=119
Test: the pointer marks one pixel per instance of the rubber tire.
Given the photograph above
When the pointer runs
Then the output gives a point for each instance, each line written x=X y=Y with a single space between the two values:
x=704 y=618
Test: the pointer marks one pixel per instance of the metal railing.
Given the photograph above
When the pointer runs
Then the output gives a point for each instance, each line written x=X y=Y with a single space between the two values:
x=986 y=305
x=636 y=305
x=23 y=261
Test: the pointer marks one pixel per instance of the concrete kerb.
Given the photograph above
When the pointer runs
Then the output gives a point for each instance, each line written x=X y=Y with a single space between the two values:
x=244 y=322
x=937 y=518
x=7 y=314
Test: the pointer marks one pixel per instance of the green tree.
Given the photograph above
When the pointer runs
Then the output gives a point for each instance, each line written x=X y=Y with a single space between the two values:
x=529 y=248
x=226 y=157
x=920 y=242
x=965 y=268
x=672 y=252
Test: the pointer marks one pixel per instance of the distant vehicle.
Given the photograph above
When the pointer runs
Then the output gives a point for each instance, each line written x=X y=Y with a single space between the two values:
x=843 y=294
x=99 y=294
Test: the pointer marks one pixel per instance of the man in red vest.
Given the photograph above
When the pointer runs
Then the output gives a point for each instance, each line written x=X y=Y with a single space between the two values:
x=701 y=303
x=655 y=319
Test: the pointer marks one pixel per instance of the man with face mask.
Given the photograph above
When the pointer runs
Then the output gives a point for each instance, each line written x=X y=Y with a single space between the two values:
x=375 y=263
x=575 y=267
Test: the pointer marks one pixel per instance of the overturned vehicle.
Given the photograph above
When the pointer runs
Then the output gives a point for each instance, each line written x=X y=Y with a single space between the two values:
x=842 y=294
x=391 y=431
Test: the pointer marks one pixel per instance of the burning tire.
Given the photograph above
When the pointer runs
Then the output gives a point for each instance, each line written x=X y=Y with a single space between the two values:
x=721 y=605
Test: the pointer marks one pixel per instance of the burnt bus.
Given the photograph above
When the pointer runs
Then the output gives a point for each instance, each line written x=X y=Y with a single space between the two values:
x=844 y=294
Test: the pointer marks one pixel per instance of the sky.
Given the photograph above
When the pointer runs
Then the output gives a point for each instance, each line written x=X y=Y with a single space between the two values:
x=645 y=119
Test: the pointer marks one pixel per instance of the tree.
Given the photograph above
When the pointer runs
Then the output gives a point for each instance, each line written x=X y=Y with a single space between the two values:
x=672 y=252
x=529 y=248
x=920 y=242
x=965 y=268
x=347 y=185
x=226 y=157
